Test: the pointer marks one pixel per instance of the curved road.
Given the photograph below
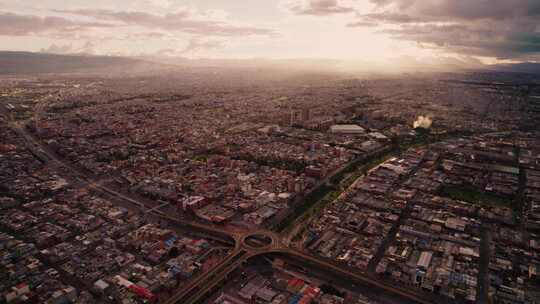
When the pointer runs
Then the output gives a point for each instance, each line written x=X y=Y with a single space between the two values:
x=203 y=284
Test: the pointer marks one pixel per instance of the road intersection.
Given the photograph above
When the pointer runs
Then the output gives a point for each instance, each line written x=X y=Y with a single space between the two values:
x=244 y=249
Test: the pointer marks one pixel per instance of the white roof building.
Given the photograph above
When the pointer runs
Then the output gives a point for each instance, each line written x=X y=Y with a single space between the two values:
x=347 y=129
x=424 y=260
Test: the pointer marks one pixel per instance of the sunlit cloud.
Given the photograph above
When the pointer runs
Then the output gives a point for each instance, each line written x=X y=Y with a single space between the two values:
x=318 y=7
x=497 y=28
x=373 y=30
x=181 y=21
x=20 y=25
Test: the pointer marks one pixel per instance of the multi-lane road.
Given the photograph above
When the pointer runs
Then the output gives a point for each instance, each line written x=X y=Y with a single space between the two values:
x=205 y=283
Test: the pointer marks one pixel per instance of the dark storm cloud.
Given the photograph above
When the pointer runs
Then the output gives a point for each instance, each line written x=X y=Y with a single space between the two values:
x=465 y=9
x=495 y=28
x=21 y=25
x=182 y=21
x=471 y=9
x=319 y=8
x=490 y=39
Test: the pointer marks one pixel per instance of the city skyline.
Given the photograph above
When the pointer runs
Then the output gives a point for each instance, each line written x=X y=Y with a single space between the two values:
x=270 y=152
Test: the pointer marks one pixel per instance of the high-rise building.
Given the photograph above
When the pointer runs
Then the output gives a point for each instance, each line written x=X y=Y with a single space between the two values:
x=306 y=115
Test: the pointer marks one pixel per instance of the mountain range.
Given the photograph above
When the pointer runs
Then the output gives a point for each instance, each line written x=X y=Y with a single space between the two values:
x=20 y=63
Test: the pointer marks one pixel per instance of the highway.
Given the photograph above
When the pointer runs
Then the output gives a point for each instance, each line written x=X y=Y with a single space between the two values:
x=362 y=278
x=46 y=155
x=199 y=285
x=205 y=283
x=216 y=279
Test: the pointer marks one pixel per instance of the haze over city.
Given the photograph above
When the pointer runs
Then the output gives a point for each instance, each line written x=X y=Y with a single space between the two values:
x=270 y=152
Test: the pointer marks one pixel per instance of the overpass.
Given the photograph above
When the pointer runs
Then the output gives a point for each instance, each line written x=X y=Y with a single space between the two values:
x=202 y=285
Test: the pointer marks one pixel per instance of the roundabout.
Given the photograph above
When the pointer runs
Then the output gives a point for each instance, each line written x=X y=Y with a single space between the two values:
x=257 y=241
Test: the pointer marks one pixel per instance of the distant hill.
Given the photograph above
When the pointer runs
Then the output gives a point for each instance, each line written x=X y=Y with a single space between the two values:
x=37 y=63
x=16 y=63
x=526 y=67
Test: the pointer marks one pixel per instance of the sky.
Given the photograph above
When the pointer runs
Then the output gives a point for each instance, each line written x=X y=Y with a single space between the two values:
x=470 y=31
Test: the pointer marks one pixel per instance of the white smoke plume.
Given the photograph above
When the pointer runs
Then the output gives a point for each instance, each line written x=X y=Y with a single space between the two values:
x=423 y=122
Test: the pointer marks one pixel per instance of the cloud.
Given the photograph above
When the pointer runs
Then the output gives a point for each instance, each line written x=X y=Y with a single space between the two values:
x=470 y=10
x=57 y=49
x=390 y=18
x=504 y=29
x=161 y=3
x=169 y=52
x=186 y=21
x=147 y=35
x=488 y=38
x=87 y=48
x=22 y=25
x=362 y=24
x=195 y=45
x=318 y=7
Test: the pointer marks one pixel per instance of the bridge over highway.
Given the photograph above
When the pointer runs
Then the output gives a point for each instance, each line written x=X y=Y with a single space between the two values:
x=245 y=244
